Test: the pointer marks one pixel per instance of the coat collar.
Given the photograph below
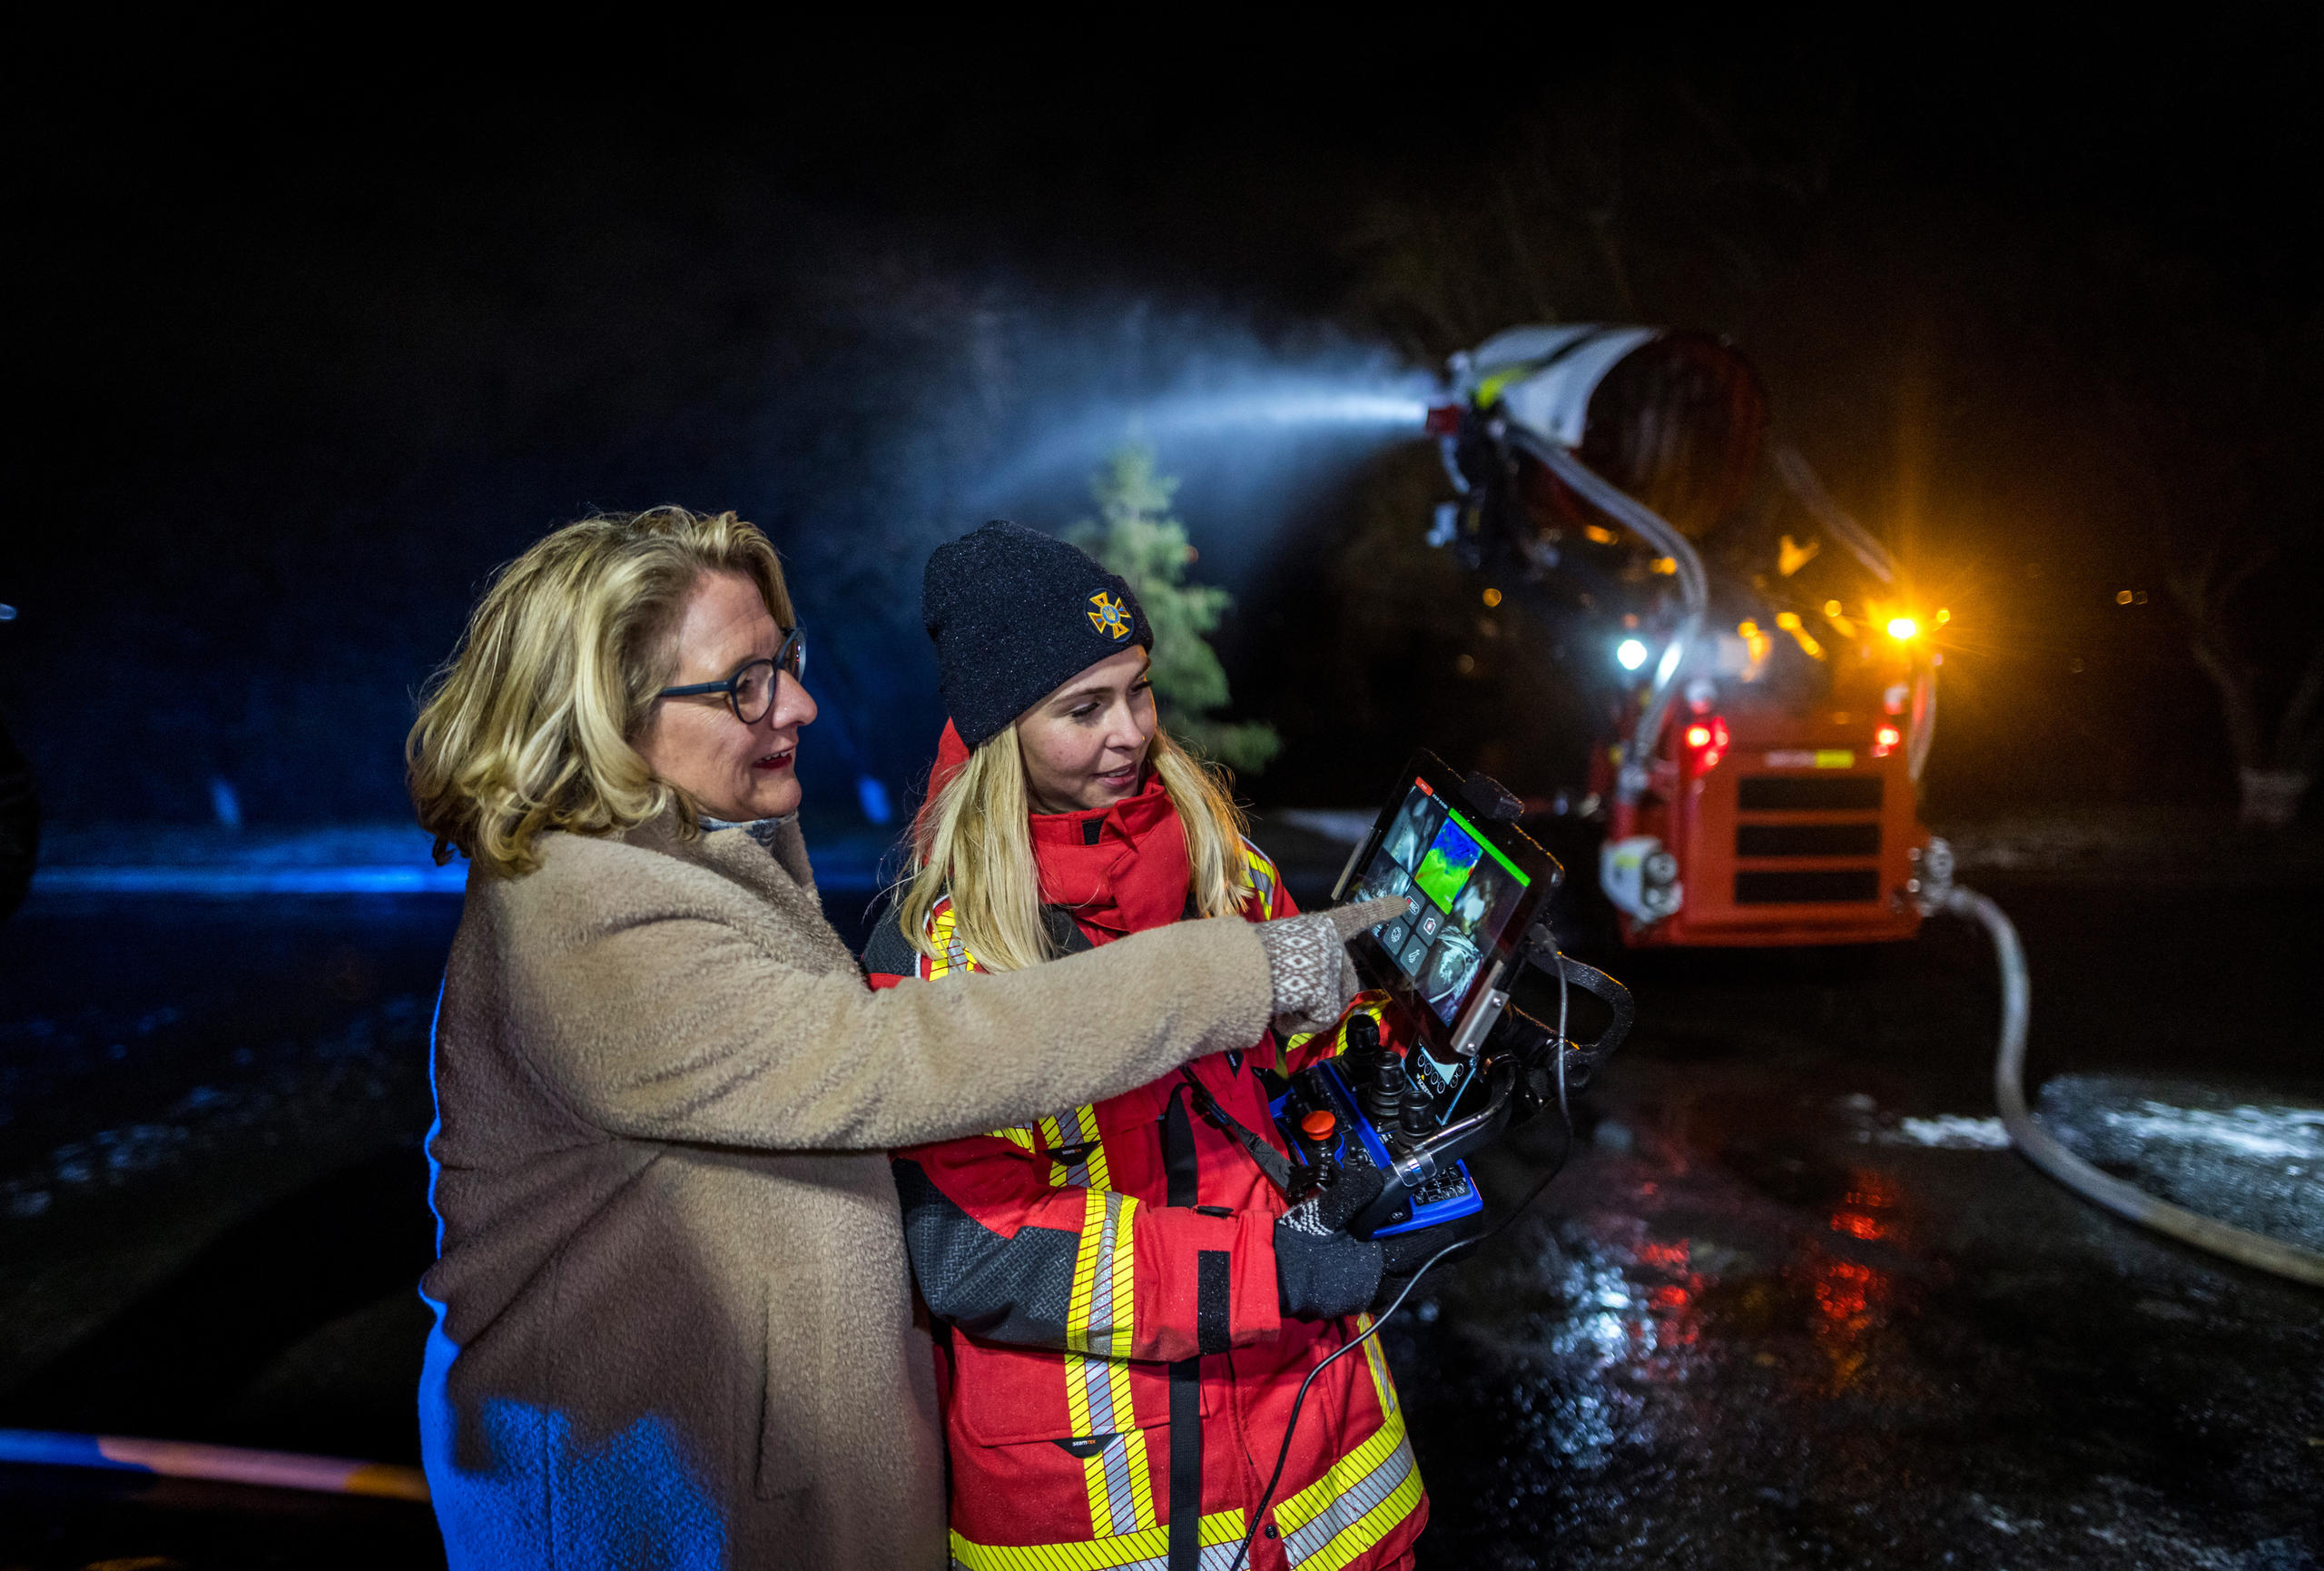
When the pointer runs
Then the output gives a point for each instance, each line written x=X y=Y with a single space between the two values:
x=768 y=858
x=1120 y=868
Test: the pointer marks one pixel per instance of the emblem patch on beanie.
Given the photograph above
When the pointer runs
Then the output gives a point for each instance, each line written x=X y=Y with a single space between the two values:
x=1004 y=606
x=1106 y=614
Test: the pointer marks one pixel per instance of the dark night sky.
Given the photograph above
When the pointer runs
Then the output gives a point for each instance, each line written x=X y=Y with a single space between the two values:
x=309 y=345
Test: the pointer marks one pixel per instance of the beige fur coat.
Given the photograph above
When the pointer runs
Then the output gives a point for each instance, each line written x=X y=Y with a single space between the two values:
x=673 y=1323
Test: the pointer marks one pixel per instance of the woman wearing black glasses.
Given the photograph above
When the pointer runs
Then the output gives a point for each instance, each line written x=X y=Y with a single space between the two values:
x=672 y=1323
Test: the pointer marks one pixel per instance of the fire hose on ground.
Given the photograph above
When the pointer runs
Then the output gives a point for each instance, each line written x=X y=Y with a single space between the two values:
x=2043 y=1150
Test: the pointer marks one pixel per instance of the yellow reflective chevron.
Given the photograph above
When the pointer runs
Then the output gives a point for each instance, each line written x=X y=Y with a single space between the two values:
x=1117 y=1475
x=1098 y=1314
x=1384 y=1385
x=1098 y=1322
x=1355 y=1504
x=1146 y=1550
x=1088 y=1170
x=946 y=952
x=1259 y=872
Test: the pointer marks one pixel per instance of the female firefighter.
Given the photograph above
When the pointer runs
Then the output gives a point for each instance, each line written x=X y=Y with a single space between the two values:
x=1131 y=1309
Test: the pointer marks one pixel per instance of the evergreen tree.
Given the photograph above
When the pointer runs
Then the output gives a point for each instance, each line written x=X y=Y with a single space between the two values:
x=1134 y=536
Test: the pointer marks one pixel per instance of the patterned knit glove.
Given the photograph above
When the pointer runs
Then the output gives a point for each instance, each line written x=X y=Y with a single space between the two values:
x=1320 y=1272
x=1307 y=961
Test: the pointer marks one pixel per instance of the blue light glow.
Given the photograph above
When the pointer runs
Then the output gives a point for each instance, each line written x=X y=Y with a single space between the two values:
x=544 y=1498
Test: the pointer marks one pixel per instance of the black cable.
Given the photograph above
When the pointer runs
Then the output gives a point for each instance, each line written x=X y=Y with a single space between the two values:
x=1283 y=1454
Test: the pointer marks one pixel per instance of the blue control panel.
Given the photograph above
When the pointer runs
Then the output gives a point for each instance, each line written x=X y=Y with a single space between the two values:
x=1449 y=1195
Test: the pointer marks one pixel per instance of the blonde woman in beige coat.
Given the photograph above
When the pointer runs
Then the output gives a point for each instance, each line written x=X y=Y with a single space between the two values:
x=672 y=1325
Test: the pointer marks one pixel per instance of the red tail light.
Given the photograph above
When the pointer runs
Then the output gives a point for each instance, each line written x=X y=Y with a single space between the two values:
x=1884 y=740
x=1707 y=739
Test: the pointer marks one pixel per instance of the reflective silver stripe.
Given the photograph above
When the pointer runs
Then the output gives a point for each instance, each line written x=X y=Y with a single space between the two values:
x=1116 y=1460
x=1098 y=1328
x=1344 y=1513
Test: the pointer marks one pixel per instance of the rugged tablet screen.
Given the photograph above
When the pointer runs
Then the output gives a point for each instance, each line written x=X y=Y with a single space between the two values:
x=1474 y=885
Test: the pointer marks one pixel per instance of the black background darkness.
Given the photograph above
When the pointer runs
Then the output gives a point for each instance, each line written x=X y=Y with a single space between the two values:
x=308 y=335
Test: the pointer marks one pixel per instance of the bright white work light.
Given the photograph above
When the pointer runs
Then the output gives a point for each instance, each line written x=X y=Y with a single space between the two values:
x=1631 y=652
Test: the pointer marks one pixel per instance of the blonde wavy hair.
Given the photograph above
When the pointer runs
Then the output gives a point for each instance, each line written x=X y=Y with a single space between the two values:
x=972 y=842
x=529 y=726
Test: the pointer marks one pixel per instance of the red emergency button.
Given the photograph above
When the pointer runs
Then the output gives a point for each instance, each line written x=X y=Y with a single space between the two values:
x=1318 y=1125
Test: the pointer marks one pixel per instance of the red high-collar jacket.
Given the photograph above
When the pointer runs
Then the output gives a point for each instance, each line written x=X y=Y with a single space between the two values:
x=1117 y=1374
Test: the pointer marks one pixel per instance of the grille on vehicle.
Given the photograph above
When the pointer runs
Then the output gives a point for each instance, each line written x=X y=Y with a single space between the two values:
x=1808 y=840
x=1803 y=886
x=1853 y=837
x=1809 y=793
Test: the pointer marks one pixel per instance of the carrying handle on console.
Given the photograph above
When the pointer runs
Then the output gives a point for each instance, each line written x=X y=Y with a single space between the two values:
x=1542 y=952
x=1531 y=1039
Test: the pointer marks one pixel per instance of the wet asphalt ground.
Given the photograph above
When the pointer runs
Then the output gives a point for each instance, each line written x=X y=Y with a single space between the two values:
x=1785 y=1305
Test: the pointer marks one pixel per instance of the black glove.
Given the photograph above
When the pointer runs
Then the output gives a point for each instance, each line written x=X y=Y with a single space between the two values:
x=1320 y=1272
x=1404 y=1254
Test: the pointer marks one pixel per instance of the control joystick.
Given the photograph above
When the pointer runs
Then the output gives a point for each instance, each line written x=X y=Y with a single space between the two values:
x=1412 y=1118
x=1363 y=1053
x=1384 y=1093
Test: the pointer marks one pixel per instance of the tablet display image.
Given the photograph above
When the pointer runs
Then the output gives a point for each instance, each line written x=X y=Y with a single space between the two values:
x=1451 y=966
x=1468 y=892
x=1485 y=903
x=1414 y=829
x=1385 y=877
x=1445 y=866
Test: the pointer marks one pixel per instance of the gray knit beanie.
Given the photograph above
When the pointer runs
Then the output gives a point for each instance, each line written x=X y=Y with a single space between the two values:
x=1014 y=614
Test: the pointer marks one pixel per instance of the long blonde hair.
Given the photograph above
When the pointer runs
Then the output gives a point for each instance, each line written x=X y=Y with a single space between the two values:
x=972 y=842
x=528 y=727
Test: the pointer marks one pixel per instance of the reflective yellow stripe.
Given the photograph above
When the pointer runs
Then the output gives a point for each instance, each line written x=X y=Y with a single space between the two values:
x=1355 y=1504
x=1099 y=1314
x=1394 y=1491
x=1101 y=1176
x=1303 y=1507
x=1079 y=1128
x=1146 y=1550
x=1019 y=1135
x=946 y=954
x=1259 y=873
x=1384 y=1384
x=1116 y=1477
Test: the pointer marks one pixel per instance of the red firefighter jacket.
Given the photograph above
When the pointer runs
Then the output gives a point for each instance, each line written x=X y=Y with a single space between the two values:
x=1118 y=1375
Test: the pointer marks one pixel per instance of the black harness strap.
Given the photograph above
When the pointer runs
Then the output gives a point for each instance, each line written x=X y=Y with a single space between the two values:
x=1272 y=1163
x=1185 y=1374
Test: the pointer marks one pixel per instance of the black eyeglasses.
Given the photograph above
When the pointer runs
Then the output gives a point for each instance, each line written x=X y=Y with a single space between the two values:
x=750 y=691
